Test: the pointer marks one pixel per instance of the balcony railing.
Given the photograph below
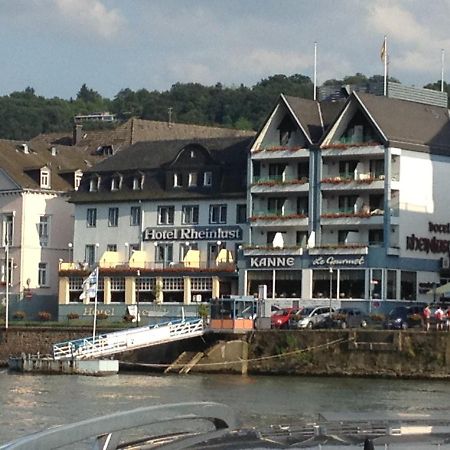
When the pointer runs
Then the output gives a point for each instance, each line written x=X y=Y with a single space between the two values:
x=274 y=180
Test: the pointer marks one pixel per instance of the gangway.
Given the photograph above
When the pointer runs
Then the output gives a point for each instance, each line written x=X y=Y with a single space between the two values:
x=129 y=339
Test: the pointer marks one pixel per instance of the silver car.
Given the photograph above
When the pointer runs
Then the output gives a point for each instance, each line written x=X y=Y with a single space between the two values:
x=312 y=316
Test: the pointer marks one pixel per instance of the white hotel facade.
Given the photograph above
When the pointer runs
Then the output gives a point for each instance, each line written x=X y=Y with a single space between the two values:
x=349 y=200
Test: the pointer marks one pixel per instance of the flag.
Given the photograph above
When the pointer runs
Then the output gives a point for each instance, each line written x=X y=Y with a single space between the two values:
x=90 y=285
x=383 y=51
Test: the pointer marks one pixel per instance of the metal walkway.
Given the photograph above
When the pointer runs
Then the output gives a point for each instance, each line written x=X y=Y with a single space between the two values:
x=129 y=339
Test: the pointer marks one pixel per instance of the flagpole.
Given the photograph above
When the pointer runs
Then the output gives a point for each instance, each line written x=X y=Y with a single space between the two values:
x=315 y=71
x=95 y=306
x=385 y=66
x=442 y=70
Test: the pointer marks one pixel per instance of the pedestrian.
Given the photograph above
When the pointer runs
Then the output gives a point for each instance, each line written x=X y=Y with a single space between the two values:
x=439 y=316
x=426 y=317
x=447 y=322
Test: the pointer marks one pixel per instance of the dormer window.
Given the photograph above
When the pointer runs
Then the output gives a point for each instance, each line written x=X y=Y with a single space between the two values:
x=207 y=179
x=138 y=182
x=94 y=184
x=286 y=128
x=77 y=180
x=193 y=179
x=45 y=178
x=116 y=182
x=177 y=180
x=192 y=154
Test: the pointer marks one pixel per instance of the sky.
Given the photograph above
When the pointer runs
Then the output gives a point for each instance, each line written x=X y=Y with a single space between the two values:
x=55 y=46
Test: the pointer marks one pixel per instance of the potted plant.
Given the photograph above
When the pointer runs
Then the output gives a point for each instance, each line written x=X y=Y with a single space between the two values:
x=44 y=315
x=102 y=316
x=73 y=316
x=19 y=315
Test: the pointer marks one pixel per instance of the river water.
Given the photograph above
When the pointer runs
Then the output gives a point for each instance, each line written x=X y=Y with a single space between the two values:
x=34 y=402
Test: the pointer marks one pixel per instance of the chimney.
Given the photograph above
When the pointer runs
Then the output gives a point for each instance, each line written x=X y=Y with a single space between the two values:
x=25 y=149
x=53 y=151
x=77 y=130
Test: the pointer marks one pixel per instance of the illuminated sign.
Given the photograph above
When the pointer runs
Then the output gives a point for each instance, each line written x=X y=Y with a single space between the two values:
x=331 y=261
x=272 y=261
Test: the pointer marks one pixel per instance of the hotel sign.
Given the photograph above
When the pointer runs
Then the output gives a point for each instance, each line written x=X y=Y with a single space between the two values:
x=426 y=244
x=193 y=234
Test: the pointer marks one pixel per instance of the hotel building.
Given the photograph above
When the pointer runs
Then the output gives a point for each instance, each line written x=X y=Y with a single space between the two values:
x=349 y=200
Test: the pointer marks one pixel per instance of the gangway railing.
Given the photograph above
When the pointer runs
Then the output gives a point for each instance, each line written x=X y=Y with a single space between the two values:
x=130 y=339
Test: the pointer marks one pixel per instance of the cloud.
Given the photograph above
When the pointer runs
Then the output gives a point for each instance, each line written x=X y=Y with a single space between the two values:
x=91 y=16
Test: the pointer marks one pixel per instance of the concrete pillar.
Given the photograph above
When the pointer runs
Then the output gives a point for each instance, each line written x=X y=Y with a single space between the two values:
x=307 y=283
x=187 y=290
x=63 y=291
x=106 y=290
x=215 y=287
x=130 y=290
x=159 y=294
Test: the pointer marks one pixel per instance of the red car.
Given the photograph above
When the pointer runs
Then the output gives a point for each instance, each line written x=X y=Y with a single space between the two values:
x=281 y=318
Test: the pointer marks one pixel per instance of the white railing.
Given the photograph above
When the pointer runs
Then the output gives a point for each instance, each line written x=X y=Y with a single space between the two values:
x=129 y=339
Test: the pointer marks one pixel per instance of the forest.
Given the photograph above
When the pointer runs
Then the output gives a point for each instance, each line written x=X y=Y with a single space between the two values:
x=24 y=114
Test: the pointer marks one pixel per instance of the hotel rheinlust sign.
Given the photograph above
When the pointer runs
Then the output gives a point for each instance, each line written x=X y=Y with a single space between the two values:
x=193 y=234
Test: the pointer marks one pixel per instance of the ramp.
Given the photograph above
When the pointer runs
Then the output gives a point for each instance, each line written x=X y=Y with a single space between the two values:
x=129 y=339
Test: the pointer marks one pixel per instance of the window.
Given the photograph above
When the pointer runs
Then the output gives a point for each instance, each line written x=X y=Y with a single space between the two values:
x=45 y=178
x=347 y=168
x=303 y=170
x=302 y=238
x=173 y=284
x=241 y=213
x=113 y=217
x=43 y=227
x=376 y=237
x=164 y=253
x=218 y=214
x=376 y=168
x=89 y=254
x=207 y=179
x=275 y=205
x=193 y=179
x=111 y=247
x=166 y=215
x=347 y=203
x=348 y=236
x=8 y=228
x=135 y=215
x=177 y=180
x=190 y=214
x=116 y=183
x=138 y=182
x=302 y=206
x=91 y=217
x=94 y=184
x=42 y=274
x=185 y=247
x=276 y=171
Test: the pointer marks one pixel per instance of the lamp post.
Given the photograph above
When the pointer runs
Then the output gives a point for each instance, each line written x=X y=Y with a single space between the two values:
x=331 y=285
x=70 y=245
x=7 y=286
x=138 y=274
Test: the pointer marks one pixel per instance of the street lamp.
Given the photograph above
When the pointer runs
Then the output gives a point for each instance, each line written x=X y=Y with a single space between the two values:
x=7 y=286
x=70 y=245
x=331 y=285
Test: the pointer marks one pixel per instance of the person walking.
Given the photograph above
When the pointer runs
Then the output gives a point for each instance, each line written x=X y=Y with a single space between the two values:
x=447 y=321
x=439 y=316
x=426 y=317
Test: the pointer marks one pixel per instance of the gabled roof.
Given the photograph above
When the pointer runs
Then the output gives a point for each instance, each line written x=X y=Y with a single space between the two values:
x=410 y=125
x=402 y=123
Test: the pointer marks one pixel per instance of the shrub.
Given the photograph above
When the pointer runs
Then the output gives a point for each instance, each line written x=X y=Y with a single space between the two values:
x=19 y=315
x=73 y=316
x=44 y=315
x=102 y=316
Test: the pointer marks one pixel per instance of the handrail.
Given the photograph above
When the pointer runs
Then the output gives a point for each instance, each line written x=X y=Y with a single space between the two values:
x=107 y=429
x=129 y=339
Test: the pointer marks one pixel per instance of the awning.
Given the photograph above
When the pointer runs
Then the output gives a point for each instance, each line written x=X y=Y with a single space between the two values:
x=444 y=289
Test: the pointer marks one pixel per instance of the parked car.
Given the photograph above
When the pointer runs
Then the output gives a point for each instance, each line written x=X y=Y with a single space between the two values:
x=282 y=317
x=311 y=317
x=403 y=317
x=347 y=318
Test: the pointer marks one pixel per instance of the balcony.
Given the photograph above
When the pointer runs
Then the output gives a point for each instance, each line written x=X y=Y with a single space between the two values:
x=346 y=182
x=263 y=250
x=269 y=218
x=278 y=184
x=280 y=152
x=350 y=217
x=347 y=149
